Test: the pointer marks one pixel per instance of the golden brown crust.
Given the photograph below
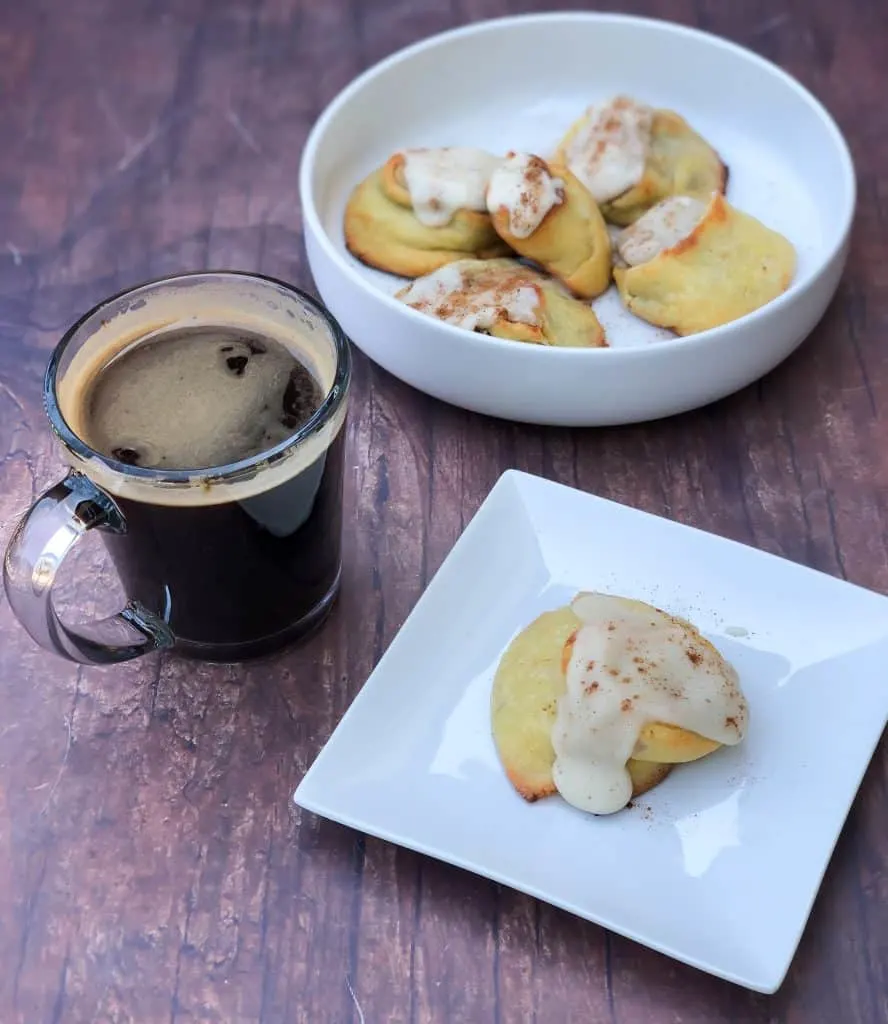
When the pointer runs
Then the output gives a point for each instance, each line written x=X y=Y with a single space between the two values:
x=393 y=182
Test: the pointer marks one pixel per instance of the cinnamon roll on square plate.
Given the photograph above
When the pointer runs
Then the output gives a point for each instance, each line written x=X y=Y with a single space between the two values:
x=650 y=726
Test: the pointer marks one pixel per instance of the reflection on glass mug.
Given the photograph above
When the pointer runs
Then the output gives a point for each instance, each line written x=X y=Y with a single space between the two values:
x=203 y=419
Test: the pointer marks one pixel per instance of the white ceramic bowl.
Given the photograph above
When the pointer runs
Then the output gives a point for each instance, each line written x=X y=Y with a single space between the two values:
x=518 y=83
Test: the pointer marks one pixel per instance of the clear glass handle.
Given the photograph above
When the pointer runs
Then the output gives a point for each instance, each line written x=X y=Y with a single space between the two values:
x=52 y=526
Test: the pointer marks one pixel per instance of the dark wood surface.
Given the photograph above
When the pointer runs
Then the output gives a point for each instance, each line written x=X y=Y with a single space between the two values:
x=152 y=868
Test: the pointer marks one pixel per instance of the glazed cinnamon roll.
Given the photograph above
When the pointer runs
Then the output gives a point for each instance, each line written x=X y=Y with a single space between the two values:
x=630 y=156
x=506 y=299
x=597 y=700
x=691 y=265
x=545 y=214
x=422 y=209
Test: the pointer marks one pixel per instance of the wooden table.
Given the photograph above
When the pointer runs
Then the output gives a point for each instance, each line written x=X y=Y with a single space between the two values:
x=152 y=868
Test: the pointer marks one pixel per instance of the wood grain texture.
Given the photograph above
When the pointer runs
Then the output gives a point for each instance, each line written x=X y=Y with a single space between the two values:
x=152 y=868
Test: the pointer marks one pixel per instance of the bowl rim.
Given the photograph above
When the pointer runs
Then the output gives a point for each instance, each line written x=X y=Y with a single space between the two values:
x=312 y=220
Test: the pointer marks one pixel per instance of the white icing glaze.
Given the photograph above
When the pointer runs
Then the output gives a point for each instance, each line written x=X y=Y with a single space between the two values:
x=609 y=149
x=631 y=665
x=523 y=187
x=477 y=300
x=662 y=227
x=614 y=233
x=442 y=181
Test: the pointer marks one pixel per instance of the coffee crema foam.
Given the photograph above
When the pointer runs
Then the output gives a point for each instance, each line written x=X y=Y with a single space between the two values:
x=197 y=398
x=224 y=309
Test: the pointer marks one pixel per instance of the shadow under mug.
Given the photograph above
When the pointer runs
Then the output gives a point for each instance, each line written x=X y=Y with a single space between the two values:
x=221 y=564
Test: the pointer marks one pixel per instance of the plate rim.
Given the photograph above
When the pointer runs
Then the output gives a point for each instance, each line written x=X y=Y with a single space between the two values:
x=765 y=982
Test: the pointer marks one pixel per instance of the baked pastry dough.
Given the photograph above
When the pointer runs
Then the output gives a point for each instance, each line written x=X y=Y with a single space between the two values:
x=506 y=299
x=630 y=156
x=563 y=722
x=528 y=683
x=690 y=266
x=545 y=214
x=422 y=209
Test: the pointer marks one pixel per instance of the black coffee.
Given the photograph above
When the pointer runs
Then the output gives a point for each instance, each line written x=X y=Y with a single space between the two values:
x=241 y=577
x=198 y=398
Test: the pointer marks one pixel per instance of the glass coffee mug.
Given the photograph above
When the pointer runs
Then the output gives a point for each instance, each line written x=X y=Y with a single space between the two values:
x=221 y=564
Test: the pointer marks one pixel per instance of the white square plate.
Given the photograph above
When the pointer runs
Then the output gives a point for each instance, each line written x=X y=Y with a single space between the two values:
x=719 y=865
